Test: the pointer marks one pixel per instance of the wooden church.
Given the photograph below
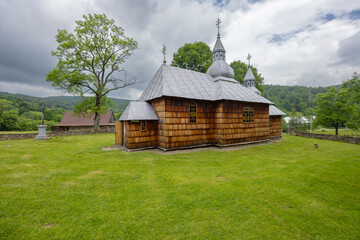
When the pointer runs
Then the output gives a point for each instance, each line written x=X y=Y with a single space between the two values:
x=181 y=108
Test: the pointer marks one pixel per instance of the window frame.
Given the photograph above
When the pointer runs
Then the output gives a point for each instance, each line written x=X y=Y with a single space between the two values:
x=193 y=115
x=143 y=124
x=248 y=115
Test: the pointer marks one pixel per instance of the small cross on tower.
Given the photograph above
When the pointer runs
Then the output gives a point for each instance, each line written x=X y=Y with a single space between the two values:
x=164 y=52
x=218 y=26
x=249 y=58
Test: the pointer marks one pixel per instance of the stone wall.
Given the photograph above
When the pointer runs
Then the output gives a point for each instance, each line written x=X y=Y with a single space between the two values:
x=344 y=139
x=17 y=136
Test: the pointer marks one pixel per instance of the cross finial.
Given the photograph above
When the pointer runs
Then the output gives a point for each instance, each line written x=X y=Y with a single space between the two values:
x=218 y=26
x=249 y=58
x=164 y=52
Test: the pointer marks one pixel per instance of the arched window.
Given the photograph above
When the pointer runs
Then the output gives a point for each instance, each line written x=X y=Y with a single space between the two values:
x=192 y=112
x=248 y=115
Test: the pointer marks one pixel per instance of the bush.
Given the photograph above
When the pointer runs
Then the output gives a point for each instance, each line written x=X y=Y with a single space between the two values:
x=9 y=121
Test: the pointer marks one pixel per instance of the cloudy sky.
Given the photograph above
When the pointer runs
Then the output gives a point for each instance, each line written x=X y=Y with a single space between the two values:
x=302 y=42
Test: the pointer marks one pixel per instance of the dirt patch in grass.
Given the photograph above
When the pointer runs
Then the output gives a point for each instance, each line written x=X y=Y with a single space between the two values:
x=91 y=174
x=48 y=225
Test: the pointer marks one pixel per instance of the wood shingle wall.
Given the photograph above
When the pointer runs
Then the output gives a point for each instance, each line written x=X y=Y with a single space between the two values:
x=175 y=129
x=229 y=125
x=219 y=122
x=136 y=138
x=275 y=129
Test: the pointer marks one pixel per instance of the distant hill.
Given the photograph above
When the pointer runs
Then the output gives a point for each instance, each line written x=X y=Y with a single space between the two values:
x=64 y=102
x=293 y=98
x=287 y=98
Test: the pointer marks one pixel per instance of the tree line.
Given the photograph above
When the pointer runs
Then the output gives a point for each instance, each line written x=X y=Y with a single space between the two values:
x=20 y=112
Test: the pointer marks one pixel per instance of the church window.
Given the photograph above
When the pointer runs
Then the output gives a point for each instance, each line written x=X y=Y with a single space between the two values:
x=270 y=122
x=192 y=112
x=143 y=125
x=248 y=115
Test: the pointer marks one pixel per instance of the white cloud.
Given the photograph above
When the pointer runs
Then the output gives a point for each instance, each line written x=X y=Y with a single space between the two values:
x=307 y=48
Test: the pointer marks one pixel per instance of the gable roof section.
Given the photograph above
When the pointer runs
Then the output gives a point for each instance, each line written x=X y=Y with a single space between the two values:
x=70 y=119
x=177 y=82
x=235 y=91
x=274 y=111
x=139 y=111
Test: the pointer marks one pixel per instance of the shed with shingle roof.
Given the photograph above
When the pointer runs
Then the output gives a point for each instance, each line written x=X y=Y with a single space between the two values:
x=75 y=122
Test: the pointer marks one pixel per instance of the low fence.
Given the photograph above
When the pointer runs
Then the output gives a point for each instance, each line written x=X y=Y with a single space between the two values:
x=344 y=139
x=16 y=136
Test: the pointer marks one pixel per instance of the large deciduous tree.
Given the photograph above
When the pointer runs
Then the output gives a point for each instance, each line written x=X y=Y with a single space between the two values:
x=89 y=62
x=351 y=90
x=331 y=109
x=193 y=56
x=240 y=68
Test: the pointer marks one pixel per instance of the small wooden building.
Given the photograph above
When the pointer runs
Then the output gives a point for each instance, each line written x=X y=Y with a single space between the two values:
x=74 y=122
x=181 y=108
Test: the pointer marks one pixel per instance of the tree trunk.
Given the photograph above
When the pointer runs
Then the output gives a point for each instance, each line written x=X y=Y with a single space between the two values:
x=336 y=129
x=97 y=115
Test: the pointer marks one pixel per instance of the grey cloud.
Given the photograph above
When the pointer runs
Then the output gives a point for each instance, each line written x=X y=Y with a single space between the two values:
x=349 y=51
x=315 y=79
x=28 y=29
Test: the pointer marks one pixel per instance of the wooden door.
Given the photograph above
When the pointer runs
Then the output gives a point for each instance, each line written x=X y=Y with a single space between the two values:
x=119 y=139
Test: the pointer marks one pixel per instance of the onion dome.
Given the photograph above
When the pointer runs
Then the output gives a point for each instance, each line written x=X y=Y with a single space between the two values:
x=219 y=67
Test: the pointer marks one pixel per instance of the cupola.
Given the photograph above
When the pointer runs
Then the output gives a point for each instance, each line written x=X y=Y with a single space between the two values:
x=249 y=80
x=219 y=67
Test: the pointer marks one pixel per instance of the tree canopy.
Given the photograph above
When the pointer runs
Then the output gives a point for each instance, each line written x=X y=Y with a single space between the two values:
x=193 y=56
x=89 y=61
x=350 y=89
x=330 y=109
x=240 y=68
x=341 y=106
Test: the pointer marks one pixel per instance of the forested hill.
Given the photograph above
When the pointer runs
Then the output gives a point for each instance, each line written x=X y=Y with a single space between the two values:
x=293 y=98
x=29 y=103
x=287 y=98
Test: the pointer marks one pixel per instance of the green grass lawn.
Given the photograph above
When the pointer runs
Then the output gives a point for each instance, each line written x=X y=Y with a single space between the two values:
x=17 y=132
x=70 y=189
x=341 y=132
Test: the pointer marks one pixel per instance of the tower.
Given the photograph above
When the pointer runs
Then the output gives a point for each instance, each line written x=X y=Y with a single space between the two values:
x=249 y=80
x=219 y=67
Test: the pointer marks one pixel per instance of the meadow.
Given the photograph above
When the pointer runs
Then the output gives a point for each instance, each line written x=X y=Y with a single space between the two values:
x=68 y=188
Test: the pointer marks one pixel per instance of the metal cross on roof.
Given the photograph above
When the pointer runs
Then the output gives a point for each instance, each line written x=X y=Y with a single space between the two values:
x=164 y=52
x=218 y=26
x=249 y=58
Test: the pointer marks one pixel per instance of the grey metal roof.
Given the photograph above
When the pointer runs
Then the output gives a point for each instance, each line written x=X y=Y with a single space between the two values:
x=218 y=46
x=249 y=75
x=236 y=92
x=255 y=90
x=178 y=82
x=274 y=111
x=139 y=111
x=220 y=68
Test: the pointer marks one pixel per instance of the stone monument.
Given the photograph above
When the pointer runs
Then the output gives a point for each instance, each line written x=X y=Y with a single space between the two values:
x=42 y=129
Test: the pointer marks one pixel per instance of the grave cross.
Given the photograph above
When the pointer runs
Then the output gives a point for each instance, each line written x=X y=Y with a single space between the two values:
x=42 y=115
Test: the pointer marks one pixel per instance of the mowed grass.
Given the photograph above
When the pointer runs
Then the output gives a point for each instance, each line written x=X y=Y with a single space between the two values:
x=70 y=189
x=341 y=132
